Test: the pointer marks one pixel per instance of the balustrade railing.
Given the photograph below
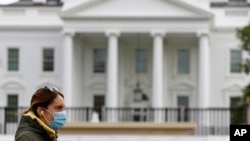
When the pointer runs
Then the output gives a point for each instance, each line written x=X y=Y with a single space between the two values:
x=211 y=121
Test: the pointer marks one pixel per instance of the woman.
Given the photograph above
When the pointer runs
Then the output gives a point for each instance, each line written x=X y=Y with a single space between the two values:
x=44 y=117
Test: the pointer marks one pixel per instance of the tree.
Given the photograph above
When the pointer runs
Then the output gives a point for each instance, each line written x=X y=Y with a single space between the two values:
x=238 y=115
x=244 y=35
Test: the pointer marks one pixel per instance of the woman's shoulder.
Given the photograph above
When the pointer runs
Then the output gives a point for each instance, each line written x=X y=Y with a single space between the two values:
x=28 y=136
x=29 y=130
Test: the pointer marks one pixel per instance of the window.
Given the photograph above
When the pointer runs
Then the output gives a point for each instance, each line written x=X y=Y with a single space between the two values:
x=183 y=61
x=235 y=60
x=238 y=112
x=100 y=60
x=11 y=111
x=48 y=59
x=13 y=59
x=235 y=101
x=141 y=60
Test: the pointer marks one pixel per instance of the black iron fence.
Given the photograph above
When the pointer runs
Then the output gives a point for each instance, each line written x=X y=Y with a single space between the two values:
x=211 y=121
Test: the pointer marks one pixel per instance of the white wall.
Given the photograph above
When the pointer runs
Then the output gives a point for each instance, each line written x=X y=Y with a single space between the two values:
x=223 y=83
x=29 y=29
x=30 y=75
x=130 y=138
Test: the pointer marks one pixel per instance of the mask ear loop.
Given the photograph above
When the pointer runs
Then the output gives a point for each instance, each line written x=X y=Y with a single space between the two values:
x=45 y=116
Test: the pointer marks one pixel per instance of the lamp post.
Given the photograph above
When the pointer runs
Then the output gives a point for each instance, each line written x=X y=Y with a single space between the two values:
x=137 y=93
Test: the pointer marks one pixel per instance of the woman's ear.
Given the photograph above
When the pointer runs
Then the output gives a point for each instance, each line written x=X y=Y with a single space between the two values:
x=39 y=111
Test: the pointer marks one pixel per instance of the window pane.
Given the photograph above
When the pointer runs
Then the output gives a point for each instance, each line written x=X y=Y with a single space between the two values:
x=100 y=60
x=235 y=64
x=11 y=111
x=48 y=59
x=141 y=60
x=183 y=61
x=13 y=56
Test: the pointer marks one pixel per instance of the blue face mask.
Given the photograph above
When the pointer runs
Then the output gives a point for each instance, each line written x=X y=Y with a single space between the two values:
x=59 y=120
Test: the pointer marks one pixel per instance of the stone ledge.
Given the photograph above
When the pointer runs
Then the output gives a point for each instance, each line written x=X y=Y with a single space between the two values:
x=130 y=128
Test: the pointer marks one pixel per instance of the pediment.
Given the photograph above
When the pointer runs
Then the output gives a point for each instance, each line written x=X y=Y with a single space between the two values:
x=12 y=84
x=233 y=87
x=135 y=9
x=97 y=86
x=182 y=86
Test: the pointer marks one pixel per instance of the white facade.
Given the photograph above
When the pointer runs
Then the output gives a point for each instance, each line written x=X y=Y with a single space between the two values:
x=75 y=29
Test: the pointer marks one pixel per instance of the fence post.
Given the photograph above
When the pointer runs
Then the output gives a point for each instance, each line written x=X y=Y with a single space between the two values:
x=103 y=115
x=5 y=121
x=248 y=113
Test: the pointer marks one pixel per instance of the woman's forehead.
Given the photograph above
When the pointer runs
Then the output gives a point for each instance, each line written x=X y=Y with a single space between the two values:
x=58 y=101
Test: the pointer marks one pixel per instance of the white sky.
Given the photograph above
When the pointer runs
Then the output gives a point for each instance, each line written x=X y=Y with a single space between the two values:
x=7 y=1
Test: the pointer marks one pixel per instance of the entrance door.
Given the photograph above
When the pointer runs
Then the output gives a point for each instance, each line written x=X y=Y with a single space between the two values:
x=183 y=104
x=98 y=104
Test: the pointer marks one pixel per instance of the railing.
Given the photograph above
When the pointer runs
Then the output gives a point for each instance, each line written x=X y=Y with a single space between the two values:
x=211 y=121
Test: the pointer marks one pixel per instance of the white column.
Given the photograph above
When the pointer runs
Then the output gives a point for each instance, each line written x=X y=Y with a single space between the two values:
x=203 y=90
x=112 y=75
x=67 y=61
x=157 y=97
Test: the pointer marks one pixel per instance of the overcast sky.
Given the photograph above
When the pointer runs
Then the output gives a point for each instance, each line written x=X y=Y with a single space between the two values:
x=7 y=1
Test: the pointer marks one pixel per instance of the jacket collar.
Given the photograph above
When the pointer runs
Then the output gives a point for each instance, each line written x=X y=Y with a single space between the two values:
x=50 y=131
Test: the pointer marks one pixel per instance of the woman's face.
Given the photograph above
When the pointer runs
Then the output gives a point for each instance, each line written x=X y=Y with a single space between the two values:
x=57 y=105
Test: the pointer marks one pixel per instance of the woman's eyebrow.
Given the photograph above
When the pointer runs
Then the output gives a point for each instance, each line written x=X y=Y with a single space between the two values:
x=60 y=106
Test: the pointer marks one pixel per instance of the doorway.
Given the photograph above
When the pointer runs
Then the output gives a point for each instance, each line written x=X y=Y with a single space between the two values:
x=99 y=102
x=182 y=104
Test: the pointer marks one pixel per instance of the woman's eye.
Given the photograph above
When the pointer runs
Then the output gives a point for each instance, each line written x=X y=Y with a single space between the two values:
x=60 y=108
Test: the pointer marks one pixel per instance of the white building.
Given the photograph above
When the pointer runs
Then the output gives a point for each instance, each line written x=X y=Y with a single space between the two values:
x=180 y=52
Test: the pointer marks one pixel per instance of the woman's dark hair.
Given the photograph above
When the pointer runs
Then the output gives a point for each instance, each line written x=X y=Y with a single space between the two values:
x=42 y=98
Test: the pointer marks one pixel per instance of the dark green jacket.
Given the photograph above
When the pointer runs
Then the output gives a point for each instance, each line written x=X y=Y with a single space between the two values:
x=30 y=130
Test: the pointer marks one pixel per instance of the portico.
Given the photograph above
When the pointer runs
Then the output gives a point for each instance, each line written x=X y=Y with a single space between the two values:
x=85 y=29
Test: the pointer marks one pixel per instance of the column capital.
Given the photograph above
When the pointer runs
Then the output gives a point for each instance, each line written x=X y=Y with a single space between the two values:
x=157 y=33
x=202 y=33
x=112 y=33
x=70 y=33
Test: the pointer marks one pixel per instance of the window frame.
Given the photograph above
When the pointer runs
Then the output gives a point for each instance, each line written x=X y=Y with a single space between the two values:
x=228 y=74
x=48 y=60
x=13 y=60
x=103 y=60
x=141 y=61
x=188 y=62
x=230 y=61
x=12 y=110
